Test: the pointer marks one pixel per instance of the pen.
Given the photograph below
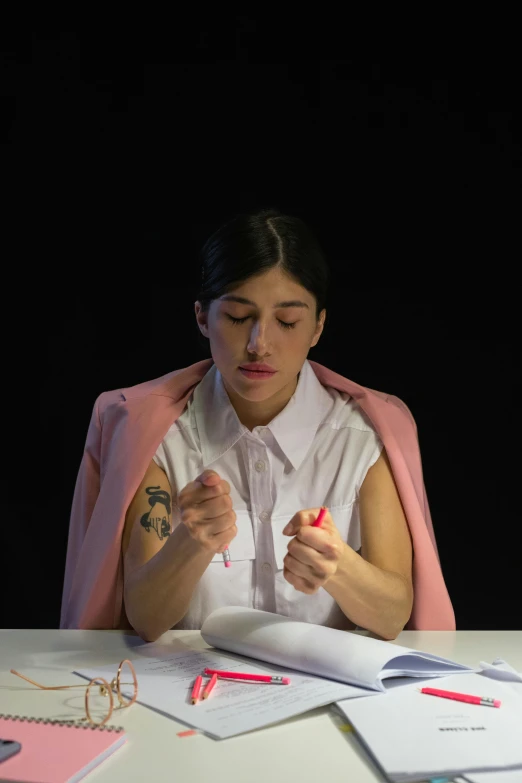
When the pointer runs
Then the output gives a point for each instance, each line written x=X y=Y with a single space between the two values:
x=486 y=701
x=210 y=686
x=275 y=680
x=196 y=689
x=318 y=522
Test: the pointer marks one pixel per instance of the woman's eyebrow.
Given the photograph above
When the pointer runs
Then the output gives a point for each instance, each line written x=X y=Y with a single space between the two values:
x=242 y=300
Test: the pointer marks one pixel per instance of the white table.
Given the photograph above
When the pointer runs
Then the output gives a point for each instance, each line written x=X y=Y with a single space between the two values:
x=309 y=749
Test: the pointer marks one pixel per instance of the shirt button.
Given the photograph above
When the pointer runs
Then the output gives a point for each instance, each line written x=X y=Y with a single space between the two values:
x=266 y=568
x=264 y=515
x=260 y=466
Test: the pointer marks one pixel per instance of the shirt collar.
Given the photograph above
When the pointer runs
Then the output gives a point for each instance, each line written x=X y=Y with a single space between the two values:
x=294 y=428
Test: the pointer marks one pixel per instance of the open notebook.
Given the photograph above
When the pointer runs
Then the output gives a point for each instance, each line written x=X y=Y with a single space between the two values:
x=325 y=652
x=54 y=752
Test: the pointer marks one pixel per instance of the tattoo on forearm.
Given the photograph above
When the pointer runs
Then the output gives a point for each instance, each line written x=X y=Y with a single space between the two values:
x=161 y=524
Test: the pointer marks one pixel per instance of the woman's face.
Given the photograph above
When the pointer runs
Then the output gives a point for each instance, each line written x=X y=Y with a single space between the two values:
x=275 y=325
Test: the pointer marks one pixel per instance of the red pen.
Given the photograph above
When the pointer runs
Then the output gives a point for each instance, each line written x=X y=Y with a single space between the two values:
x=318 y=522
x=275 y=680
x=196 y=689
x=210 y=686
x=486 y=701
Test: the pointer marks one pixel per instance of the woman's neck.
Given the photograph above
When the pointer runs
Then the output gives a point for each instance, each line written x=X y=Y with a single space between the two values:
x=260 y=414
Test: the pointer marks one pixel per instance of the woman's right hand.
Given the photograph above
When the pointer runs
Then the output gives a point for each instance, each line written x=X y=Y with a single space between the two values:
x=206 y=511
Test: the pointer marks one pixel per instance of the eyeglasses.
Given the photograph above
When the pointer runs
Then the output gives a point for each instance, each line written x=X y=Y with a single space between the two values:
x=105 y=689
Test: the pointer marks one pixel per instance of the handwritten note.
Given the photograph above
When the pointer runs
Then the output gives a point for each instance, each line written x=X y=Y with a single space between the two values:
x=234 y=707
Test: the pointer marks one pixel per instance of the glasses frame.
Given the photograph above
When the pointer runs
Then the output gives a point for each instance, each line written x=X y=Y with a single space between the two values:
x=106 y=689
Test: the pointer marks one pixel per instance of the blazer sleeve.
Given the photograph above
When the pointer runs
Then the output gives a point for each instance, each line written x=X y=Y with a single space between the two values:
x=84 y=499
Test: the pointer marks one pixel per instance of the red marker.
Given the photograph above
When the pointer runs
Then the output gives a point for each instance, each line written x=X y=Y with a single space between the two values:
x=322 y=513
x=275 y=680
x=486 y=701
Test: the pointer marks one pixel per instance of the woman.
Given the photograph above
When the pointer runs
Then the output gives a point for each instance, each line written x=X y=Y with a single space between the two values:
x=258 y=446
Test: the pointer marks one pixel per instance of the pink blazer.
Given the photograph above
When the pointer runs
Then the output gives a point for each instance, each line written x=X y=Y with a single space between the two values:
x=126 y=428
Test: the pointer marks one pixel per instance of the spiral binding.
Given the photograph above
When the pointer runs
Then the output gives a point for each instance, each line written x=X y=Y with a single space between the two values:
x=70 y=724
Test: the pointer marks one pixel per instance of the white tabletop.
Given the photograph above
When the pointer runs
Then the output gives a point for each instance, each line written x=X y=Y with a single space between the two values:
x=308 y=748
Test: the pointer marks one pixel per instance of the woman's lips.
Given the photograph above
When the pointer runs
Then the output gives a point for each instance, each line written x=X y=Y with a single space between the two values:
x=256 y=375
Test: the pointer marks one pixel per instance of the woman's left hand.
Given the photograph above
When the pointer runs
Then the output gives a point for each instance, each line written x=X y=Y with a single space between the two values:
x=314 y=554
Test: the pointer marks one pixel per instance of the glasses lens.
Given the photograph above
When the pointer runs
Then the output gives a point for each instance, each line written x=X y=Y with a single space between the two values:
x=98 y=701
x=127 y=684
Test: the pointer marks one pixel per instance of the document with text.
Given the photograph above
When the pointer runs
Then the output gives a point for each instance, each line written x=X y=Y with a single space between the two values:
x=234 y=707
x=413 y=736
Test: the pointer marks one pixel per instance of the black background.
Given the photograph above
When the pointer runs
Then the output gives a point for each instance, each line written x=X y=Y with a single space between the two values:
x=123 y=152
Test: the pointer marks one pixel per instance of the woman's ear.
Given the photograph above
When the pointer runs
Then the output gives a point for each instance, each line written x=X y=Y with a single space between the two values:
x=319 y=328
x=201 y=318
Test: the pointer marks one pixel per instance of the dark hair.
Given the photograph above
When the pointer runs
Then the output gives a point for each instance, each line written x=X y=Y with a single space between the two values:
x=254 y=242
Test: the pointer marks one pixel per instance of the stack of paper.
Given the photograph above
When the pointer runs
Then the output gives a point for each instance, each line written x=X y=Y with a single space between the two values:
x=413 y=736
x=326 y=652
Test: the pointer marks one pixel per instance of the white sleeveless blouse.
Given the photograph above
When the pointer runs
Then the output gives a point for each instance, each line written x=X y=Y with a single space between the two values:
x=316 y=452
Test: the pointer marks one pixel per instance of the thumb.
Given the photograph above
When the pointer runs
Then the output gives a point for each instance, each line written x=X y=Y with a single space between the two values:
x=209 y=478
x=290 y=529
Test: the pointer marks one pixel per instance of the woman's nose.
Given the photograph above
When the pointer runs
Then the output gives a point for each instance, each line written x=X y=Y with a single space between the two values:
x=258 y=339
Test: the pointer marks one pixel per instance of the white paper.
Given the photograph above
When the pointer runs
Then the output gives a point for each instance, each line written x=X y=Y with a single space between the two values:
x=412 y=735
x=499 y=776
x=326 y=652
x=165 y=684
x=501 y=670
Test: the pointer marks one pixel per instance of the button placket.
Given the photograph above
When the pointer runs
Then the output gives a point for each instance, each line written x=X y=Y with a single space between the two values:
x=262 y=502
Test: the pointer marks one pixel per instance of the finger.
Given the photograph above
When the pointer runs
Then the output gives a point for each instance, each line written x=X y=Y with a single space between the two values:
x=304 y=518
x=322 y=541
x=215 y=532
x=298 y=520
x=202 y=513
x=195 y=492
x=320 y=570
x=303 y=585
x=223 y=540
x=307 y=554
x=218 y=525
x=227 y=534
x=209 y=478
x=210 y=509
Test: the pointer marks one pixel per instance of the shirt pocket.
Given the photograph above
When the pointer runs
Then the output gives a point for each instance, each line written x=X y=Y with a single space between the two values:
x=346 y=520
x=242 y=547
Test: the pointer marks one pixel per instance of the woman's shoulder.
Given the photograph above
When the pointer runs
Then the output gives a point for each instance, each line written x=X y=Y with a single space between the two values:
x=346 y=413
x=175 y=385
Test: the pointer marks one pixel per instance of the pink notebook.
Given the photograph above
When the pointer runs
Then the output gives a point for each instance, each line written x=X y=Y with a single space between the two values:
x=55 y=752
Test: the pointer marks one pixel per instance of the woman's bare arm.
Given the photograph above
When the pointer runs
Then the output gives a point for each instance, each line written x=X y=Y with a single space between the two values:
x=375 y=589
x=162 y=566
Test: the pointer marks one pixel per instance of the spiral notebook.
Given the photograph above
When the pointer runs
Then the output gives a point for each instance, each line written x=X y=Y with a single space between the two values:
x=53 y=751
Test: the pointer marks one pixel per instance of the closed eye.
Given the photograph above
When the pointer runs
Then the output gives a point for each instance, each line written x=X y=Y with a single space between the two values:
x=284 y=324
